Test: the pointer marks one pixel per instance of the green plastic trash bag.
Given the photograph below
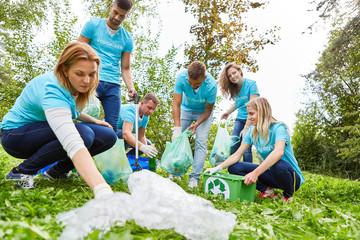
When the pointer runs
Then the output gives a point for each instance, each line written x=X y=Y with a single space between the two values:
x=93 y=108
x=221 y=148
x=113 y=163
x=177 y=157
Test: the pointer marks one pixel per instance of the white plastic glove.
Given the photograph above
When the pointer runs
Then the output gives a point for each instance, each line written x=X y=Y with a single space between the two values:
x=244 y=131
x=148 y=150
x=176 y=133
x=101 y=190
x=213 y=170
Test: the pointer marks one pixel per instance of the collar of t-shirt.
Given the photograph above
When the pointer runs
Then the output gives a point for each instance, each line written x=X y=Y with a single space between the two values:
x=196 y=90
x=112 y=32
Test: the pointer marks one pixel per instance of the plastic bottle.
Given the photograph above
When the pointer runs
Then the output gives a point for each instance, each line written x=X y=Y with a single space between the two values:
x=152 y=162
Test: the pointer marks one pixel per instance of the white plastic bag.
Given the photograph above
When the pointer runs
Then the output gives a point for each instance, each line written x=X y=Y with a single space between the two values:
x=155 y=203
x=222 y=144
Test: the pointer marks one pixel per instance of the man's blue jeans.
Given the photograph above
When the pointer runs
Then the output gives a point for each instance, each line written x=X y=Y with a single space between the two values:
x=37 y=143
x=280 y=175
x=109 y=95
x=201 y=138
x=119 y=133
x=238 y=127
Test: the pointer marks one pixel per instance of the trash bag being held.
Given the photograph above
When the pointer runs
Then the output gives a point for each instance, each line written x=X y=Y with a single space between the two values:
x=113 y=163
x=222 y=144
x=177 y=157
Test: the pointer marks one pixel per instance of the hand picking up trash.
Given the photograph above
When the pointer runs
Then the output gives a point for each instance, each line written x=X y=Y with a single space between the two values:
x=128 y=123
x=193 y=102
x=272 y=140
x=42 y=120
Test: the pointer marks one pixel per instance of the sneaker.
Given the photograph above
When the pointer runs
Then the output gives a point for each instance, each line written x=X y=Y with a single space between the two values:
x=53 y=174
x=23 y=180
x=193 y=183
x=269 y=194
x=172 y=177
x=288 y=200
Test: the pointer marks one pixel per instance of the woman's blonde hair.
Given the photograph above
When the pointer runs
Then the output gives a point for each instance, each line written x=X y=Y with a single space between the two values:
x=71 y=54
x=227 y=87
x=264 y=118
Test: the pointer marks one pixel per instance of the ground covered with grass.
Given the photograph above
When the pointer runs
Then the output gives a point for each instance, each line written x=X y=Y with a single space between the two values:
x=323 y=208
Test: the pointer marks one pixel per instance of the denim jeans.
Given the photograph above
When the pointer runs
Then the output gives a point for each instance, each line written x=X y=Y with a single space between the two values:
x=109 y=95
x=280 y=175
x=238 y=127
x=119 y=133
x=201 y=138
x=37 y=143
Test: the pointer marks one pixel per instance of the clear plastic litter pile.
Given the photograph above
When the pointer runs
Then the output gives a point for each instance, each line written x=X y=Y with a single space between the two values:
x=155 y=203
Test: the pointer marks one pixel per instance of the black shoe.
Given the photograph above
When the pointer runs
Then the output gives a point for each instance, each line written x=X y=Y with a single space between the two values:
x=53 y=174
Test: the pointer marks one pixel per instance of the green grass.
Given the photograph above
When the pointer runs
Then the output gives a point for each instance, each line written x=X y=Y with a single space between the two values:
x=323 y=208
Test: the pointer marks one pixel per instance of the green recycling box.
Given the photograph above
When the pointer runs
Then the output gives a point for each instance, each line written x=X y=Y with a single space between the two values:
x=231 y=186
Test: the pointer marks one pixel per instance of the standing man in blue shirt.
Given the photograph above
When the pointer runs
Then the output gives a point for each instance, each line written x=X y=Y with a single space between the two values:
x=194 y=99
x=114 y=44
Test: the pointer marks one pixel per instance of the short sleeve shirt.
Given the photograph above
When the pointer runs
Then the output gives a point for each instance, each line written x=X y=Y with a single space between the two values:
x=109 y=48
x=248 y=88
x=277 y=132
x=127 y=113
x=192 y=100
x=41 y=93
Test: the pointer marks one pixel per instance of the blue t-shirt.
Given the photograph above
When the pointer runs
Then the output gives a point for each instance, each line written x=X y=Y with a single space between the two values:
x=195 y=101
x=41 y=93
x=109 y=48
x=277 y=132
x=248 y=88
x=127 y=113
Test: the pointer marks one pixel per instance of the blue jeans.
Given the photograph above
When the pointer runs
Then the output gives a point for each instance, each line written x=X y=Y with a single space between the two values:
x=280 y=175
x=119 y=133
x=201 y=137
x=109 y=95
x=238 y=127
x=37 y=143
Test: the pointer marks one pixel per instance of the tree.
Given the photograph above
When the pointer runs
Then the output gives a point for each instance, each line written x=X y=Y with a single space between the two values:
x=22 y=57
x=156 y=74
x=309 y=142
x=221 y=35
x=15 y=45
x=336 y=87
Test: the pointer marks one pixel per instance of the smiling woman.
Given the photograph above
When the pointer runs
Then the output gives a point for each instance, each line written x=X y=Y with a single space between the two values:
x=272 y=140
x=40 y=126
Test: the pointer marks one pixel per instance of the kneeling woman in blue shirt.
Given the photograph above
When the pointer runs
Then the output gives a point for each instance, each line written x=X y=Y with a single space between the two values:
x=40 y=128
x=272 y=140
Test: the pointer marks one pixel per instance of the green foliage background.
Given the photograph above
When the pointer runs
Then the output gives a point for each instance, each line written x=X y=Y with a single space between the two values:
x=327 y=132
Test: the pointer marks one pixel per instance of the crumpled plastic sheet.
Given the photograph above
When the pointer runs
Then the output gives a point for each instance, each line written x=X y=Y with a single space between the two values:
x=155 y=203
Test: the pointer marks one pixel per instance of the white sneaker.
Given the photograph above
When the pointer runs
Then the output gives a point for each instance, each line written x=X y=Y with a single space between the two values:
x=193 y=183
x=172 y=177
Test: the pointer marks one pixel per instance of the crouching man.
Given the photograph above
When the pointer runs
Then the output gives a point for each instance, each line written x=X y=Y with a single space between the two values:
x=126 y=125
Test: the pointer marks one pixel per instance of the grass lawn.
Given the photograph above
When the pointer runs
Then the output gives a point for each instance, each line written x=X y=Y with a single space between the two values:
x=323 y=208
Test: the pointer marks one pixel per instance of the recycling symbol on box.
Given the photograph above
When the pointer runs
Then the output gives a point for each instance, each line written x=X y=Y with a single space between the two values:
x=216 y=186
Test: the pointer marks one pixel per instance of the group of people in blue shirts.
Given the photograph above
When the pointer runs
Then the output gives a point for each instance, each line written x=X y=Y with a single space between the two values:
x=40 y=126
